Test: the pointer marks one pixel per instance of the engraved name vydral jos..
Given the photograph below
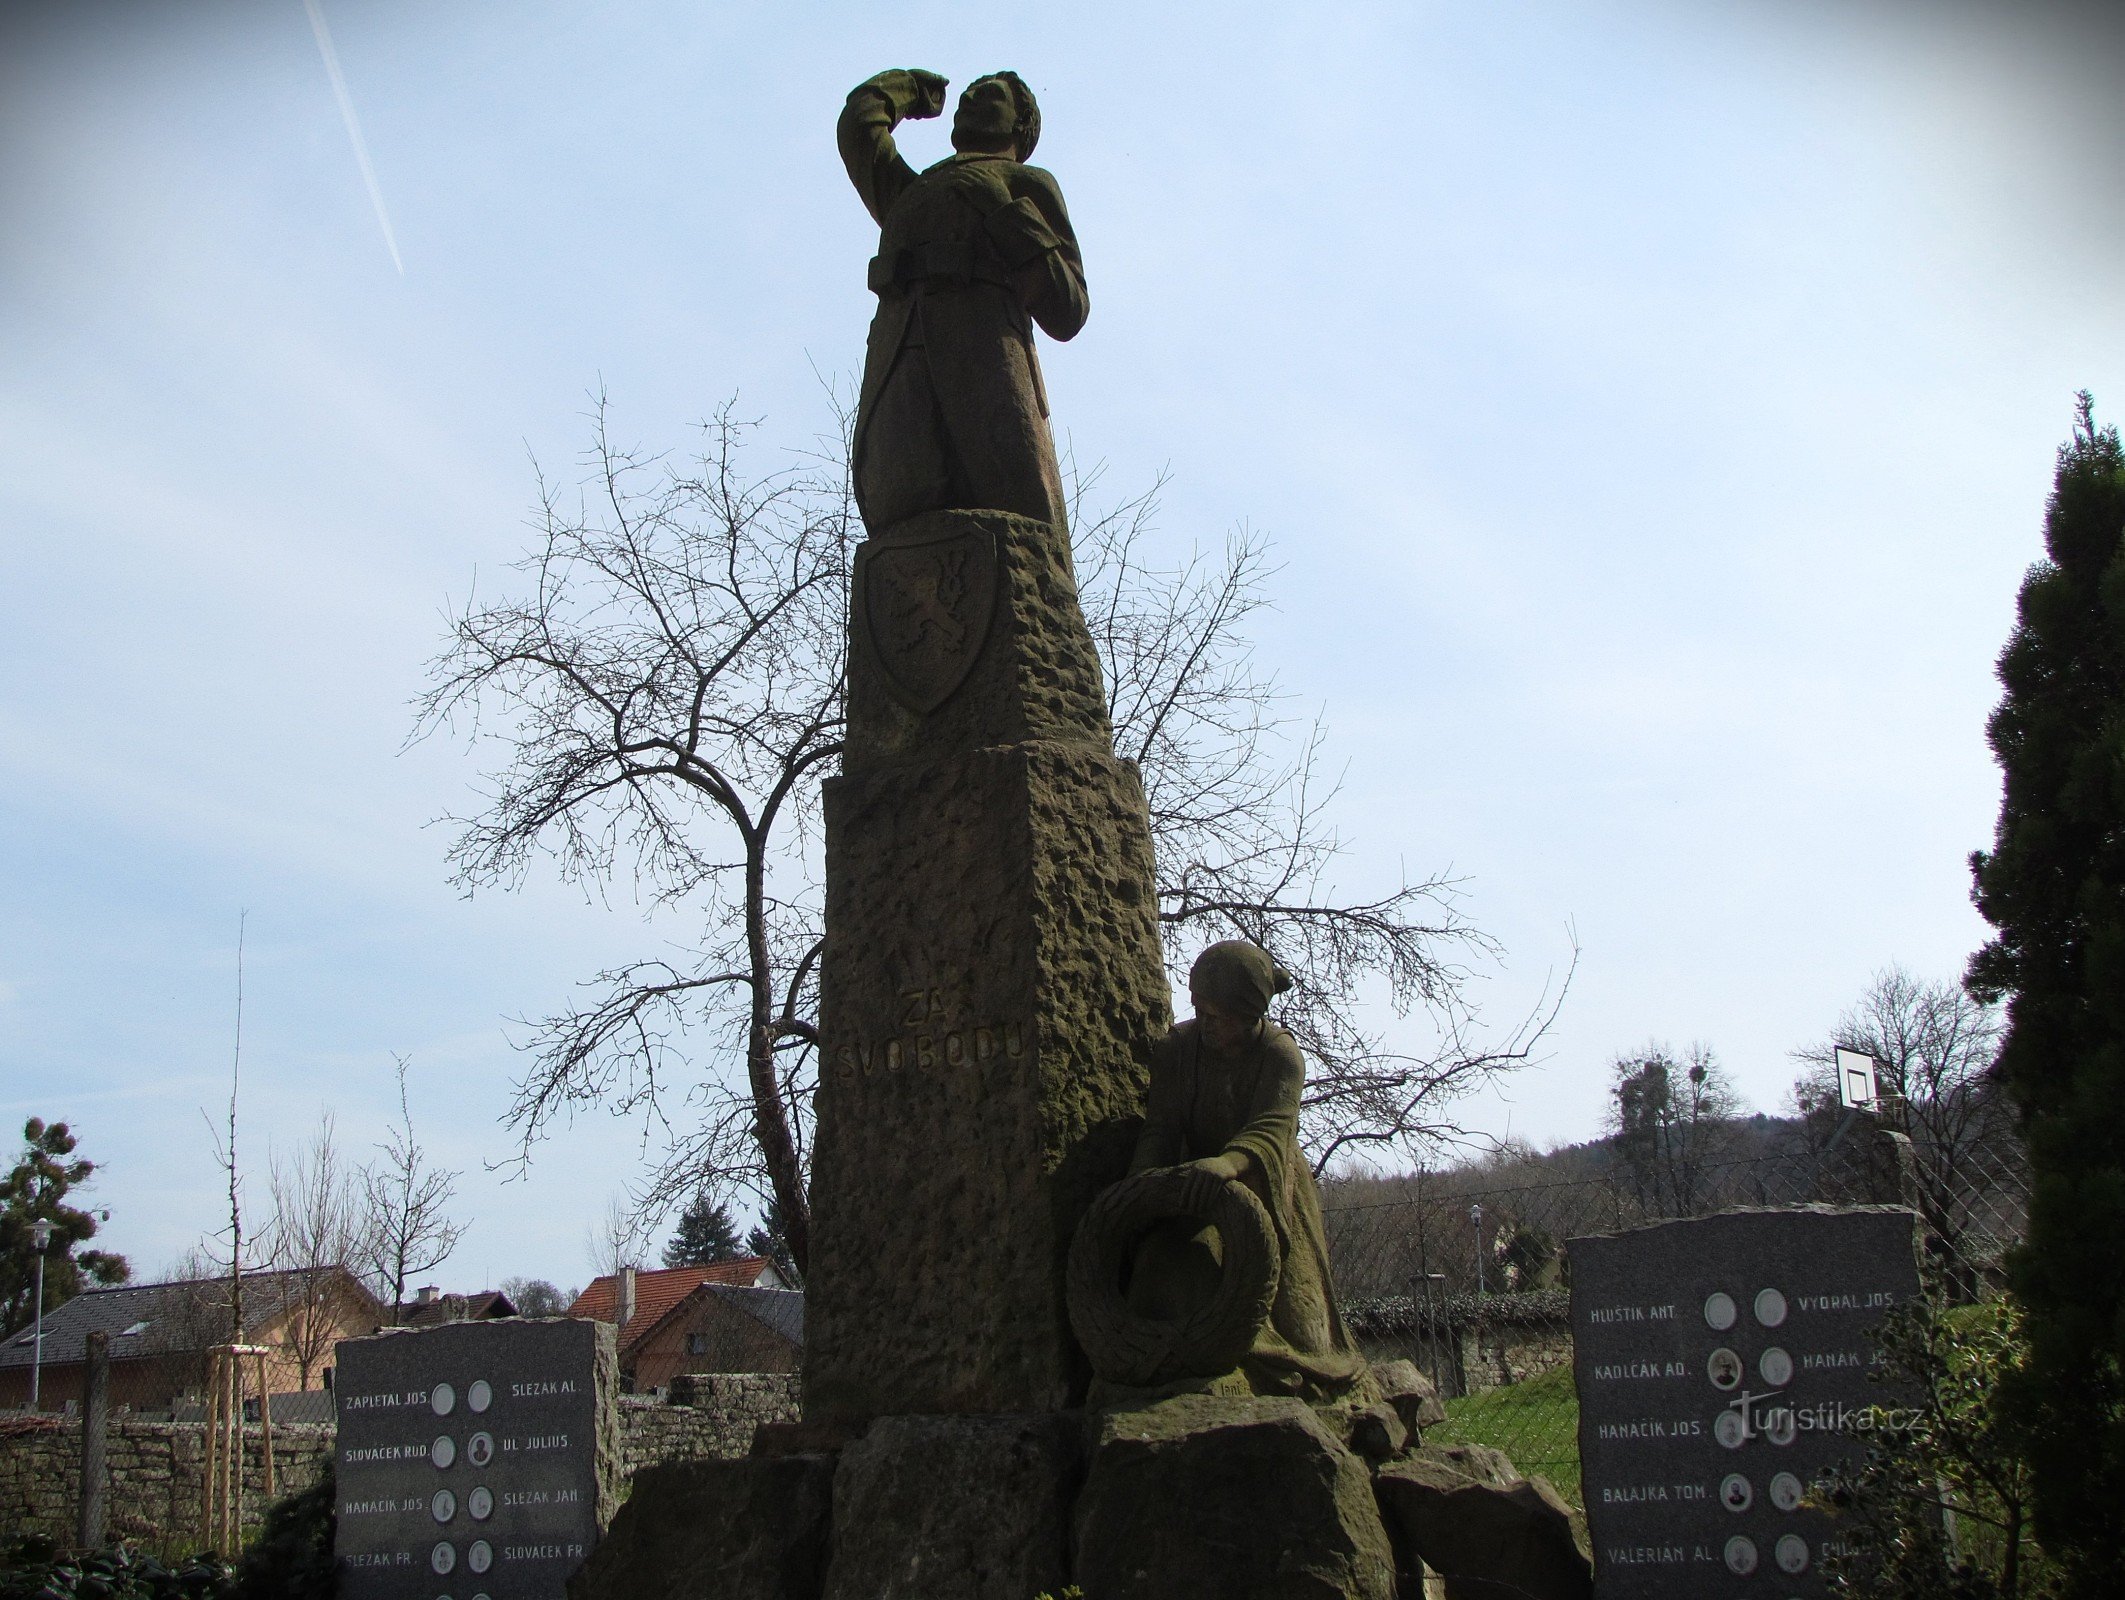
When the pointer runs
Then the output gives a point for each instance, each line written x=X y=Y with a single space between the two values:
x=1722 y=1363
x=467 y=1459
x=924 y=603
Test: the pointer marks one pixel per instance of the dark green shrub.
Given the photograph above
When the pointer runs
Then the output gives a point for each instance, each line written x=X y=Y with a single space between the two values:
x=292 y=1559
x=32 y=1569
x=1939 y=1507
x=2054 y=886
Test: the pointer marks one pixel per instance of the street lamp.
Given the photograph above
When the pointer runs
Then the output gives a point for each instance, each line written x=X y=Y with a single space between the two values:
x=1475 y=1216
x=40 y=1236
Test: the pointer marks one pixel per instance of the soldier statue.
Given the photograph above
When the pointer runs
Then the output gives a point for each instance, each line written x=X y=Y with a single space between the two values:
x=971 y=253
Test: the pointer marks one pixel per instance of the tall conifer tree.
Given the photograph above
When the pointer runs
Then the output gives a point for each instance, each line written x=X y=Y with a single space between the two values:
x=37 y=1188
x=705 y=1235
x=2053 y=886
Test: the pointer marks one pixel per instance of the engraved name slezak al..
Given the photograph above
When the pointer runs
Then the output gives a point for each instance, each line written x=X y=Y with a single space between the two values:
x=925 y=602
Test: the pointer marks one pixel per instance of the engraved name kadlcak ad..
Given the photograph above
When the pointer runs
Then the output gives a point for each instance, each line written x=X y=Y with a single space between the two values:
x=925 y=602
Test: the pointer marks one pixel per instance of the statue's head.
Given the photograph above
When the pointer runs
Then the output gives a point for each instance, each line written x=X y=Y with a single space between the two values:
x=1231 y=985
x=997 y=115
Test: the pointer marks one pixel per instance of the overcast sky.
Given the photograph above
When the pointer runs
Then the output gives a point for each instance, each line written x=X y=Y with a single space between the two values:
x=1652 y=405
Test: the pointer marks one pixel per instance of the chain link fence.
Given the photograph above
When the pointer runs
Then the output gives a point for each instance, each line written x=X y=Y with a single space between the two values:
x=1464 y=1271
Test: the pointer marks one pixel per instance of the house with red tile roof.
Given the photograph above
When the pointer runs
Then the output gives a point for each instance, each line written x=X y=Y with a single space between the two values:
x=643 y=1301
x=721 y=1327
x=431 y=1307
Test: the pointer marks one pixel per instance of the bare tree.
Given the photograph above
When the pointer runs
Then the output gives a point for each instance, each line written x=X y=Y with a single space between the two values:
x=1671 y=1119
x=617 y=1239
x=536 y=1297
x=319 y=1235
x=192 y=1319
x=213 y=1305
x=1240 y=817
x=233 y=1262
x=409 y=1229
x=1934 y=1047
x=671 y=695
x=674 y=680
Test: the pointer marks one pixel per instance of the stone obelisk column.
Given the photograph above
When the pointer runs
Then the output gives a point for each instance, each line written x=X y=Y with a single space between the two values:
x=991 y=981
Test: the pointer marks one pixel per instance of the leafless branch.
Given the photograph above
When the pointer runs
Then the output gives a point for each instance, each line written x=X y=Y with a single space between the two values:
x=410 y=1228
x=1240 y=820
x=669 y=690
x=319 y=1234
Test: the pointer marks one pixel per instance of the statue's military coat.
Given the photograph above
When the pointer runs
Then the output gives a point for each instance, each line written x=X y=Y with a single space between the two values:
x=971 y=253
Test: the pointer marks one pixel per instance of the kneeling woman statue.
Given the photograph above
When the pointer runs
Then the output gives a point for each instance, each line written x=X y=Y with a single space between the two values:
x=1224 y=1106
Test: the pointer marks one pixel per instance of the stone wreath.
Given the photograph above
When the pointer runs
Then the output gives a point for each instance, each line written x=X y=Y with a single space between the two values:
x=1139 y=1351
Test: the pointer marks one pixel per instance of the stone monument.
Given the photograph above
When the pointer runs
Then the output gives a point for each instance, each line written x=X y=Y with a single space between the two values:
x=476 y=1457
x=1217 y=1235
x=1017 y=1161
x=1722 y=1363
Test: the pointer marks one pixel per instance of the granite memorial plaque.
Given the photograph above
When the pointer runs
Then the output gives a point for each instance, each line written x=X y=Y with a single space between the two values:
x=477 y=1460
x=1722 y=1363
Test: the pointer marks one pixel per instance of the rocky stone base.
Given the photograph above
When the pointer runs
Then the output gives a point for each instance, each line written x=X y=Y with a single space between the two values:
x=1193 y=1497
x=716 y=1530
x=1487 y=1533
x=955 y=1508
x=1206 y=1496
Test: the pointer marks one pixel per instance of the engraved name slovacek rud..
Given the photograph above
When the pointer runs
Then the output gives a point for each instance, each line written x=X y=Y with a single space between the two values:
x=925 y=602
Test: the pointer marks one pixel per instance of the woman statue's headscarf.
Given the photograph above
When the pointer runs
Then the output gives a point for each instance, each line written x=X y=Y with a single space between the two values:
x=1238 y=977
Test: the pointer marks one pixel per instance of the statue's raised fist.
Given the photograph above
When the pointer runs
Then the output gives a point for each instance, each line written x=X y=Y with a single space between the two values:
x=928 y=98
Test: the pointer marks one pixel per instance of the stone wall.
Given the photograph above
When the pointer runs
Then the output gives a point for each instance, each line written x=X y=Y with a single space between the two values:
x=1467 y=1343
x=711 y=1417
x=154 y=1469
x=155 y=1466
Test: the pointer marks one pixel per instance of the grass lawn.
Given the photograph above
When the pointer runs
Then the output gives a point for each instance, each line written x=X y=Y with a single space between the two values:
x=1535 y=1422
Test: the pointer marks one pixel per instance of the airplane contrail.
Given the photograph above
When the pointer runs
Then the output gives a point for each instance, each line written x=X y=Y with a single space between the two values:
x=354 y=128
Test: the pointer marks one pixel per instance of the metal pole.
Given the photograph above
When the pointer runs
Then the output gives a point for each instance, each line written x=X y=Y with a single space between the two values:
x=1475 y=1215
x=265 y=1421
x=1441 y=1380
x=40 y=1237
x=95 y=1428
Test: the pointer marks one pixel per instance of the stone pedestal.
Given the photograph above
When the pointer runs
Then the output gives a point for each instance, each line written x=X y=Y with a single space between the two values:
x=991 y=984
x=1193 y=1497
x=1207 y=1497
x=955 y=1508
x=716 y=1530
